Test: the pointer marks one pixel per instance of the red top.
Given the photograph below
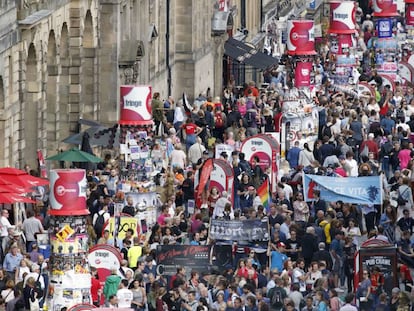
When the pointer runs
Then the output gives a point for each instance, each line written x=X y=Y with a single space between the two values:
x=95 y=287
x=190 y=128
x=255 y=91
x=376 y=281
x=276 y=120
x=405 y=271
x=372 y=147
x=243 y=272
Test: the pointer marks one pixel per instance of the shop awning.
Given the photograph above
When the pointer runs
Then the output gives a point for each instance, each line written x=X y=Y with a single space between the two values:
x=248 y=55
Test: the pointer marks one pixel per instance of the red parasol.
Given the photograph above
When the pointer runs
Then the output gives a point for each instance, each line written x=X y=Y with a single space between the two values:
x=14 y=198
x=7 y=186
x=21 y=178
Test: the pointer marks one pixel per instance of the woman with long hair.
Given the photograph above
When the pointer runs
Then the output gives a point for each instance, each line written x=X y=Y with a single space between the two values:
x=388 y=220
x=306 y=156
x=363 y=293
x=139 y=297
x=8 y=293
x=334 y=302
x=321 y=304
x=241 y=270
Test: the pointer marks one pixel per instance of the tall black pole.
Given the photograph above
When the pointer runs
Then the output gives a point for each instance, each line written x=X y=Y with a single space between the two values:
x=167 y=47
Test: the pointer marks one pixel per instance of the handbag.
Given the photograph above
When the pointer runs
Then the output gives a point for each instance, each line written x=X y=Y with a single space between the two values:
x=400 y=198
x=38 y=286
x=34 y=305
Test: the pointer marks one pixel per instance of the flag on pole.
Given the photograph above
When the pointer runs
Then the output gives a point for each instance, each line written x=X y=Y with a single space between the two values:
x=263 y=191
x=187 y=106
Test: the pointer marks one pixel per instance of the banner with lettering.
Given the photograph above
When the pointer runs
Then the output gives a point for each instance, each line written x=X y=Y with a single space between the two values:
x=354 y=190
x=135 y=105
x=249 y=230
x=123 y=224
x=384 y=27
x=384 y=258
x=192 y=257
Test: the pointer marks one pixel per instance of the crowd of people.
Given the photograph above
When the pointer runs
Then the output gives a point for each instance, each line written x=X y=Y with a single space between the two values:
x=308 y=264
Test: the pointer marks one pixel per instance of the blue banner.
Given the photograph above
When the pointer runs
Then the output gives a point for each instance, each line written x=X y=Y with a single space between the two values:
x=354 y=190
x=384 y=28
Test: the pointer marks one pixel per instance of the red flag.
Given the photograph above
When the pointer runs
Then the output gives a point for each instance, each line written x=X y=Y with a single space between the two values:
x=205 y=173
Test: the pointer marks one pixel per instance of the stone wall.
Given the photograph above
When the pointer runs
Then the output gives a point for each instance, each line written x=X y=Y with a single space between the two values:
x=59 y=62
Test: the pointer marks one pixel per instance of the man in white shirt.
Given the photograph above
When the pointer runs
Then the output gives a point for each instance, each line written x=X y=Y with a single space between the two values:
x=4 y=223
x=351 y=165
x=4 y=230
x=124 y=295
x=195 y=152
x=286 y=188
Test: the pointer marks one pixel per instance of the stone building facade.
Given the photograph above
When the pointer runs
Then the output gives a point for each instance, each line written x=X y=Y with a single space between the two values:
x=62 y=60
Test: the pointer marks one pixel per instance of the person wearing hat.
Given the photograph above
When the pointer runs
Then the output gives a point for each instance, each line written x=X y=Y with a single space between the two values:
x=278 y=257
x=158 y=114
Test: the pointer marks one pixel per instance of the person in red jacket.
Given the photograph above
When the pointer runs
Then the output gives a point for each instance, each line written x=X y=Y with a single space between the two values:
x=96 y=287
x=371 y=145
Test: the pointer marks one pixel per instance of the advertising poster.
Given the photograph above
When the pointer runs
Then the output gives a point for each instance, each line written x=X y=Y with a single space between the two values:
x=135 y=104
x=342 y=17
x=301 y=37
x=68 y=192
x=385 y=258
x=192 y=257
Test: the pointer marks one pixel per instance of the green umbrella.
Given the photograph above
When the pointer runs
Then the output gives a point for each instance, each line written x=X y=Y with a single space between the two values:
x=74 y=155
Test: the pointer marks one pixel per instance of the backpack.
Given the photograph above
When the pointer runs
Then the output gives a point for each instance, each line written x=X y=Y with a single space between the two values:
x=277 y=297
x=249 y=118
x=326 y=131
x=219 y=122
x=99 y=224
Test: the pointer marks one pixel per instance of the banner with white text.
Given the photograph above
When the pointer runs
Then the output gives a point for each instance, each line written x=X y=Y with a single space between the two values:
x=354 y=190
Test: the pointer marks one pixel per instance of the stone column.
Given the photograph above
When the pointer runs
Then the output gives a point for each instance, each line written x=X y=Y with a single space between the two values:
x=108 y=60
x=75 y=70
x=218 y=62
